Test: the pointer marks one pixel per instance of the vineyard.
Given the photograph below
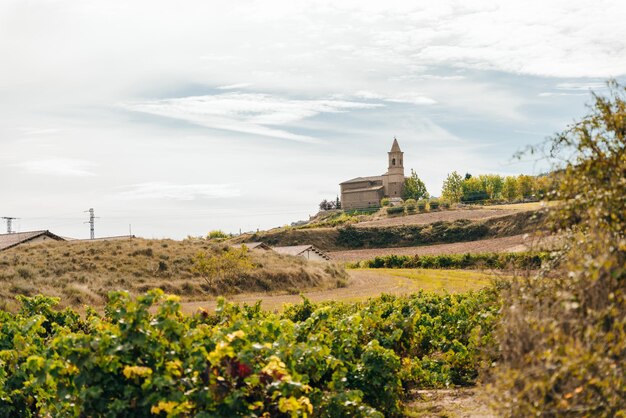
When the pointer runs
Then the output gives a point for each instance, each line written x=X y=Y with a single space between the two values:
x=144 y=358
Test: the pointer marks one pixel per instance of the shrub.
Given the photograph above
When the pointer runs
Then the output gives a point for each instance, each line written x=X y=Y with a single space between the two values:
x=562 y=332
x=522 y=260
x=384 y=201
x=409 y=204
x=421 y=205
x=394 y=210
x=25 y=272
x=434 y=204
x=217 y=235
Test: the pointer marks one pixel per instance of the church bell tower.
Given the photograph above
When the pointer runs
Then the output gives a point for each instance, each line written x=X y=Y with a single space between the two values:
x=393 y=180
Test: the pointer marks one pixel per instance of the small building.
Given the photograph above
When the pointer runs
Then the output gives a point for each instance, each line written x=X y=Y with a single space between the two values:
x=260 y=246
x=18 y=238
x=367 y=192
x=307 y=251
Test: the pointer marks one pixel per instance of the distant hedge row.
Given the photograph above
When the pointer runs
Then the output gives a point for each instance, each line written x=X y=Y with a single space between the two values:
x=530 y=260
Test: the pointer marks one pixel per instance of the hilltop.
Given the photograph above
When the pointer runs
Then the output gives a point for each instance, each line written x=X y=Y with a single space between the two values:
x=84 y=272
x=422 y=229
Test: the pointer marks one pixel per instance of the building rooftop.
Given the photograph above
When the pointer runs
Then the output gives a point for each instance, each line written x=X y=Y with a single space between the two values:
x=395 y=147
x=11 y=240
x=364 y=189
x=297 y=250
x=253 y=246
x=360 y=179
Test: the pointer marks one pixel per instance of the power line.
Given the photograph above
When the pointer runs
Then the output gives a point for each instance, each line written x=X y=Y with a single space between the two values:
x=9 y=220
x=92 y=223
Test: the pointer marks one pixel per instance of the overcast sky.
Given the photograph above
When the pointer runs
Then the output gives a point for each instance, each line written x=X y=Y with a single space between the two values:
x=180 y=117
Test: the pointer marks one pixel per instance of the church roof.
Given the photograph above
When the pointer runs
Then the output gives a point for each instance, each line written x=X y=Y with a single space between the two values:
x=364 y=189
x=395 y=147
x=360 y=179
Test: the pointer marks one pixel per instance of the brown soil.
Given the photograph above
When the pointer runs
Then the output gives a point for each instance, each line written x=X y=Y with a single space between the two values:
x=446 y=216
x=515 y=243
x=457 y=403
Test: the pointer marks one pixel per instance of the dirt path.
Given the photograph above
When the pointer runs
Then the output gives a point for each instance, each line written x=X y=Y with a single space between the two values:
x=460 y=403
x=513 y=243
x=362 y=285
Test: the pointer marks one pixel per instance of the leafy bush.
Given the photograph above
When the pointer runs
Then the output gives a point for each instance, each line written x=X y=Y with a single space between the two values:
x=410 y=204
x=394 y=210
x=433 y=204
x=384 y=201
x=217 y=235
x=523 y=260
x=421 y=205
x=563 y=333
x=144 y=358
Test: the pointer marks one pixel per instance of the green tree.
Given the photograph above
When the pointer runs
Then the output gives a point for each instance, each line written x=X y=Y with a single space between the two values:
x=525 y=186
x=414 y=188
x=492 y=185
x=509 y=189
x=473 y=190
x=225 y=265
x=562 y=336
x=452 y=189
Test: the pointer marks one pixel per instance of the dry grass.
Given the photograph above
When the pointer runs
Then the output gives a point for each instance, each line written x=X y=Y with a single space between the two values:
x=84 y=273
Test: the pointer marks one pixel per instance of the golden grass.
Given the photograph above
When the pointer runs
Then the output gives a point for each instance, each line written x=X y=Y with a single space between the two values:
x=439 y=280
x=85 y=272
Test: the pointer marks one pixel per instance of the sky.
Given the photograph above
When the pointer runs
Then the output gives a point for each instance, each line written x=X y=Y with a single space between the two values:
x=175 y=118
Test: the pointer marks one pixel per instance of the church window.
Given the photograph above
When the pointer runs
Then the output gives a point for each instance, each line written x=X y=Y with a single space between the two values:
x=393 y=161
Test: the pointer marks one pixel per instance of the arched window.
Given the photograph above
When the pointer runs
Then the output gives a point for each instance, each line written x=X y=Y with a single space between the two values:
x=393 y=161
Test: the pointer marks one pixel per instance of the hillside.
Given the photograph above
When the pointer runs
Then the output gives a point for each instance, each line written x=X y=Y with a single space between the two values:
x=405 y=231
x=84 y=273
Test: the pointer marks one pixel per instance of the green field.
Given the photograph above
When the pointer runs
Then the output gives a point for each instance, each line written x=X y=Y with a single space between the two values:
x=437 y=280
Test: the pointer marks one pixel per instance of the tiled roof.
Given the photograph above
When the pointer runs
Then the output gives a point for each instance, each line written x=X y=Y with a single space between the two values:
x=11 y=240
x=299 y=249
x=395 y=147
x=360 y=179
x=253 y=246
x=365 y=189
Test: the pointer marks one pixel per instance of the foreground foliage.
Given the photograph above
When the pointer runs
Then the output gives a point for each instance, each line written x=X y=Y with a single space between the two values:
x=563 y=337
x=144 y=358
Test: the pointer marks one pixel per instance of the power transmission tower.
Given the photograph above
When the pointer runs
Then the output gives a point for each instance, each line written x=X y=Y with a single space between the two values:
x=9 y=220
x=92 y=223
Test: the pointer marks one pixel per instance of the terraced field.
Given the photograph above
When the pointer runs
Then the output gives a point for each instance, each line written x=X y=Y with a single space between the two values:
x=515 y=243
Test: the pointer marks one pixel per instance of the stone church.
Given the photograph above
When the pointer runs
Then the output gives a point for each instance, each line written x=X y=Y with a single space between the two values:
x=365 y=192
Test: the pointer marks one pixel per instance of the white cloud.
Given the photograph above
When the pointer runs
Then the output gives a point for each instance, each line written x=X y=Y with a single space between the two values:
x=412 y=98
x=234 y=86
x=166 y=190
x=552 y=94
x=246 y=112
x=58 y=167
x=581 y=86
